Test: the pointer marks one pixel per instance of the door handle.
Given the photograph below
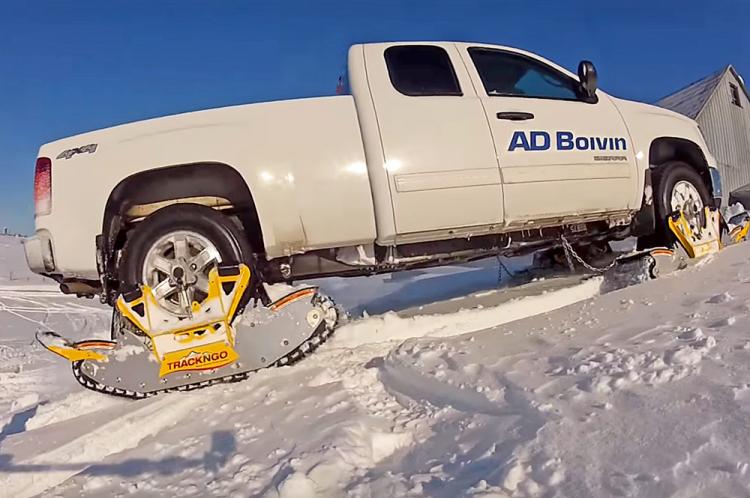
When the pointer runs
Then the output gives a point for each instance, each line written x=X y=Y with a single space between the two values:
x=515 y=116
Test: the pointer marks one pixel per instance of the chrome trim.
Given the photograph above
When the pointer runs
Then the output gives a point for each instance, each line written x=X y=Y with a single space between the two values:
x=715 y=182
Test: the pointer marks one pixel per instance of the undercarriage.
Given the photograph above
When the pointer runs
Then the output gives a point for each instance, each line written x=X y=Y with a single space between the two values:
x=377 y=259
x=231 y=333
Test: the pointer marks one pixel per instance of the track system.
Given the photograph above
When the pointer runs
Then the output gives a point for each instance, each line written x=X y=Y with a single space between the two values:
x=225 y=338
x=319 y=337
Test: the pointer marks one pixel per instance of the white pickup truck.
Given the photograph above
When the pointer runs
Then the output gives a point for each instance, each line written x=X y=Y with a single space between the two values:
x=440 y=152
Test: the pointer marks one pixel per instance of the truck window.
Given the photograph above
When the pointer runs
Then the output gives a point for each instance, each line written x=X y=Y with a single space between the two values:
x=421 y=70
x=507 y=74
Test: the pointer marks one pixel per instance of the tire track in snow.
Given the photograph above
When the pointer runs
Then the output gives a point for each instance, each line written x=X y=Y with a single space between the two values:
x=40 y=473
x=42 y=324
x=34 y=305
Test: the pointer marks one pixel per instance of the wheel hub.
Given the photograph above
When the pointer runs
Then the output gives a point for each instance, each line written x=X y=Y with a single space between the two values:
x=176 y=267
x=686 y=198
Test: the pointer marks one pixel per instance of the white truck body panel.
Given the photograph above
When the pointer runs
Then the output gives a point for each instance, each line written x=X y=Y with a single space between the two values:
x=438 y=154
x=302 y=160
x=379 y=166
x=573 y=178
x=647 y=122
x=368 y=122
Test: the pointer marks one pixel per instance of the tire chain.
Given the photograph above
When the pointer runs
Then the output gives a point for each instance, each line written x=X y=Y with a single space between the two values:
x=571 y=253
x=321 y=334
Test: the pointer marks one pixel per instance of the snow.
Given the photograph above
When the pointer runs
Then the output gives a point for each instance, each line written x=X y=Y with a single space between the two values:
x=13 y=269
x=438 y=385
x=391 y=327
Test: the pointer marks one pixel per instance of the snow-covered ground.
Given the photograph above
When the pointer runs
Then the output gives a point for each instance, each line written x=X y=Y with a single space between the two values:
x=640 y=392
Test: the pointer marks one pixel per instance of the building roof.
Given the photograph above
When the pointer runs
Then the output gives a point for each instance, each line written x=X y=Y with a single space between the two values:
x=691 y=99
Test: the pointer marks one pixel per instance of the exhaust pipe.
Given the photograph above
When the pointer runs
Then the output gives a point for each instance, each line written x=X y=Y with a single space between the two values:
x=80 y=288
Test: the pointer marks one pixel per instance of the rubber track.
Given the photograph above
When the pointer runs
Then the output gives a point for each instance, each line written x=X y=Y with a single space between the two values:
x=321 y=334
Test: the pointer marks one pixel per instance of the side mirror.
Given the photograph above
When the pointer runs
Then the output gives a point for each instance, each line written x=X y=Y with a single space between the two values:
x=588 y=79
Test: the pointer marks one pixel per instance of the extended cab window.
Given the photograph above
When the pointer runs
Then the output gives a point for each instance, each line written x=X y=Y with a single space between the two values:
x=421 y=70
x=508 y=74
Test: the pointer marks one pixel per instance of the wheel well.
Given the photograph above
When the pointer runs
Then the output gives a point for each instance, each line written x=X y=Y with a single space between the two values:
x=213 y=184
x=678 y=149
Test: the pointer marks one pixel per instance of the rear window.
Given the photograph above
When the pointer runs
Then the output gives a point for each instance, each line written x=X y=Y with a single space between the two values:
x=421 y=70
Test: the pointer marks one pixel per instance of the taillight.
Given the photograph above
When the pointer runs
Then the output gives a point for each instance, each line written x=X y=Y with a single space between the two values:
x=43 y=186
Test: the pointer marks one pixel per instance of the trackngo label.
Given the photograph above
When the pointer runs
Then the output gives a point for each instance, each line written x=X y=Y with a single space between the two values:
x=563 y=141
x=199 y=360
x=206 y=357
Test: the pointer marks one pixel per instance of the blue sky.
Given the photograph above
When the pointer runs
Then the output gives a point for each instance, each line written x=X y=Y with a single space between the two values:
x=69 y=67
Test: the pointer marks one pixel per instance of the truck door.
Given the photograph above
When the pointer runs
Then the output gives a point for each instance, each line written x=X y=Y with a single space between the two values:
x=561 y=155
x=439 y=157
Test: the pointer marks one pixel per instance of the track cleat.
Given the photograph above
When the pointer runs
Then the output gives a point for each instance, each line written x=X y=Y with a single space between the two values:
x=640 y=266
x=154 y=351
x=691 y=243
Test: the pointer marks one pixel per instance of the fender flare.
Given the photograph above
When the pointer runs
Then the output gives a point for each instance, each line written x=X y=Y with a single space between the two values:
x=207 y=180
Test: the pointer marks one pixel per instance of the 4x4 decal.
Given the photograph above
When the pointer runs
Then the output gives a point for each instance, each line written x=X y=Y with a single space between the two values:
x=68 y=153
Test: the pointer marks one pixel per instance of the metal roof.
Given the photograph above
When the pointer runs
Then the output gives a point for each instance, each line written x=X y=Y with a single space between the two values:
x=691 y=99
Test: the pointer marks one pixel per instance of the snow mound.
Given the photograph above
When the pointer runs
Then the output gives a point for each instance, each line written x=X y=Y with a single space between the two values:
x=392 y=327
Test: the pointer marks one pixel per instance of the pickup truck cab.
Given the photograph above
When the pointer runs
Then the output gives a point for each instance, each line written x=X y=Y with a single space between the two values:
x=440 y=152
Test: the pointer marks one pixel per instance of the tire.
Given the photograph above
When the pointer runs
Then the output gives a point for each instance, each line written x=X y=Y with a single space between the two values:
x=665 y=178
x=196 y=222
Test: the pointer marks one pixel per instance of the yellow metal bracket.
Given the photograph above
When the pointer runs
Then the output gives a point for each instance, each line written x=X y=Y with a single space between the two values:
x=704 y=240
x=739 y=233
x=202 y=342
x=94 y=349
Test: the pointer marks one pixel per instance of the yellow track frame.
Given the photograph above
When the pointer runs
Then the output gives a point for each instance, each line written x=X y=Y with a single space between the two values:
x=203 y=342
x=701 y=242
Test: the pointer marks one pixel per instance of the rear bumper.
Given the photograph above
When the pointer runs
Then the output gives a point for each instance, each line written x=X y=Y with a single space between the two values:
x=39 y=256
